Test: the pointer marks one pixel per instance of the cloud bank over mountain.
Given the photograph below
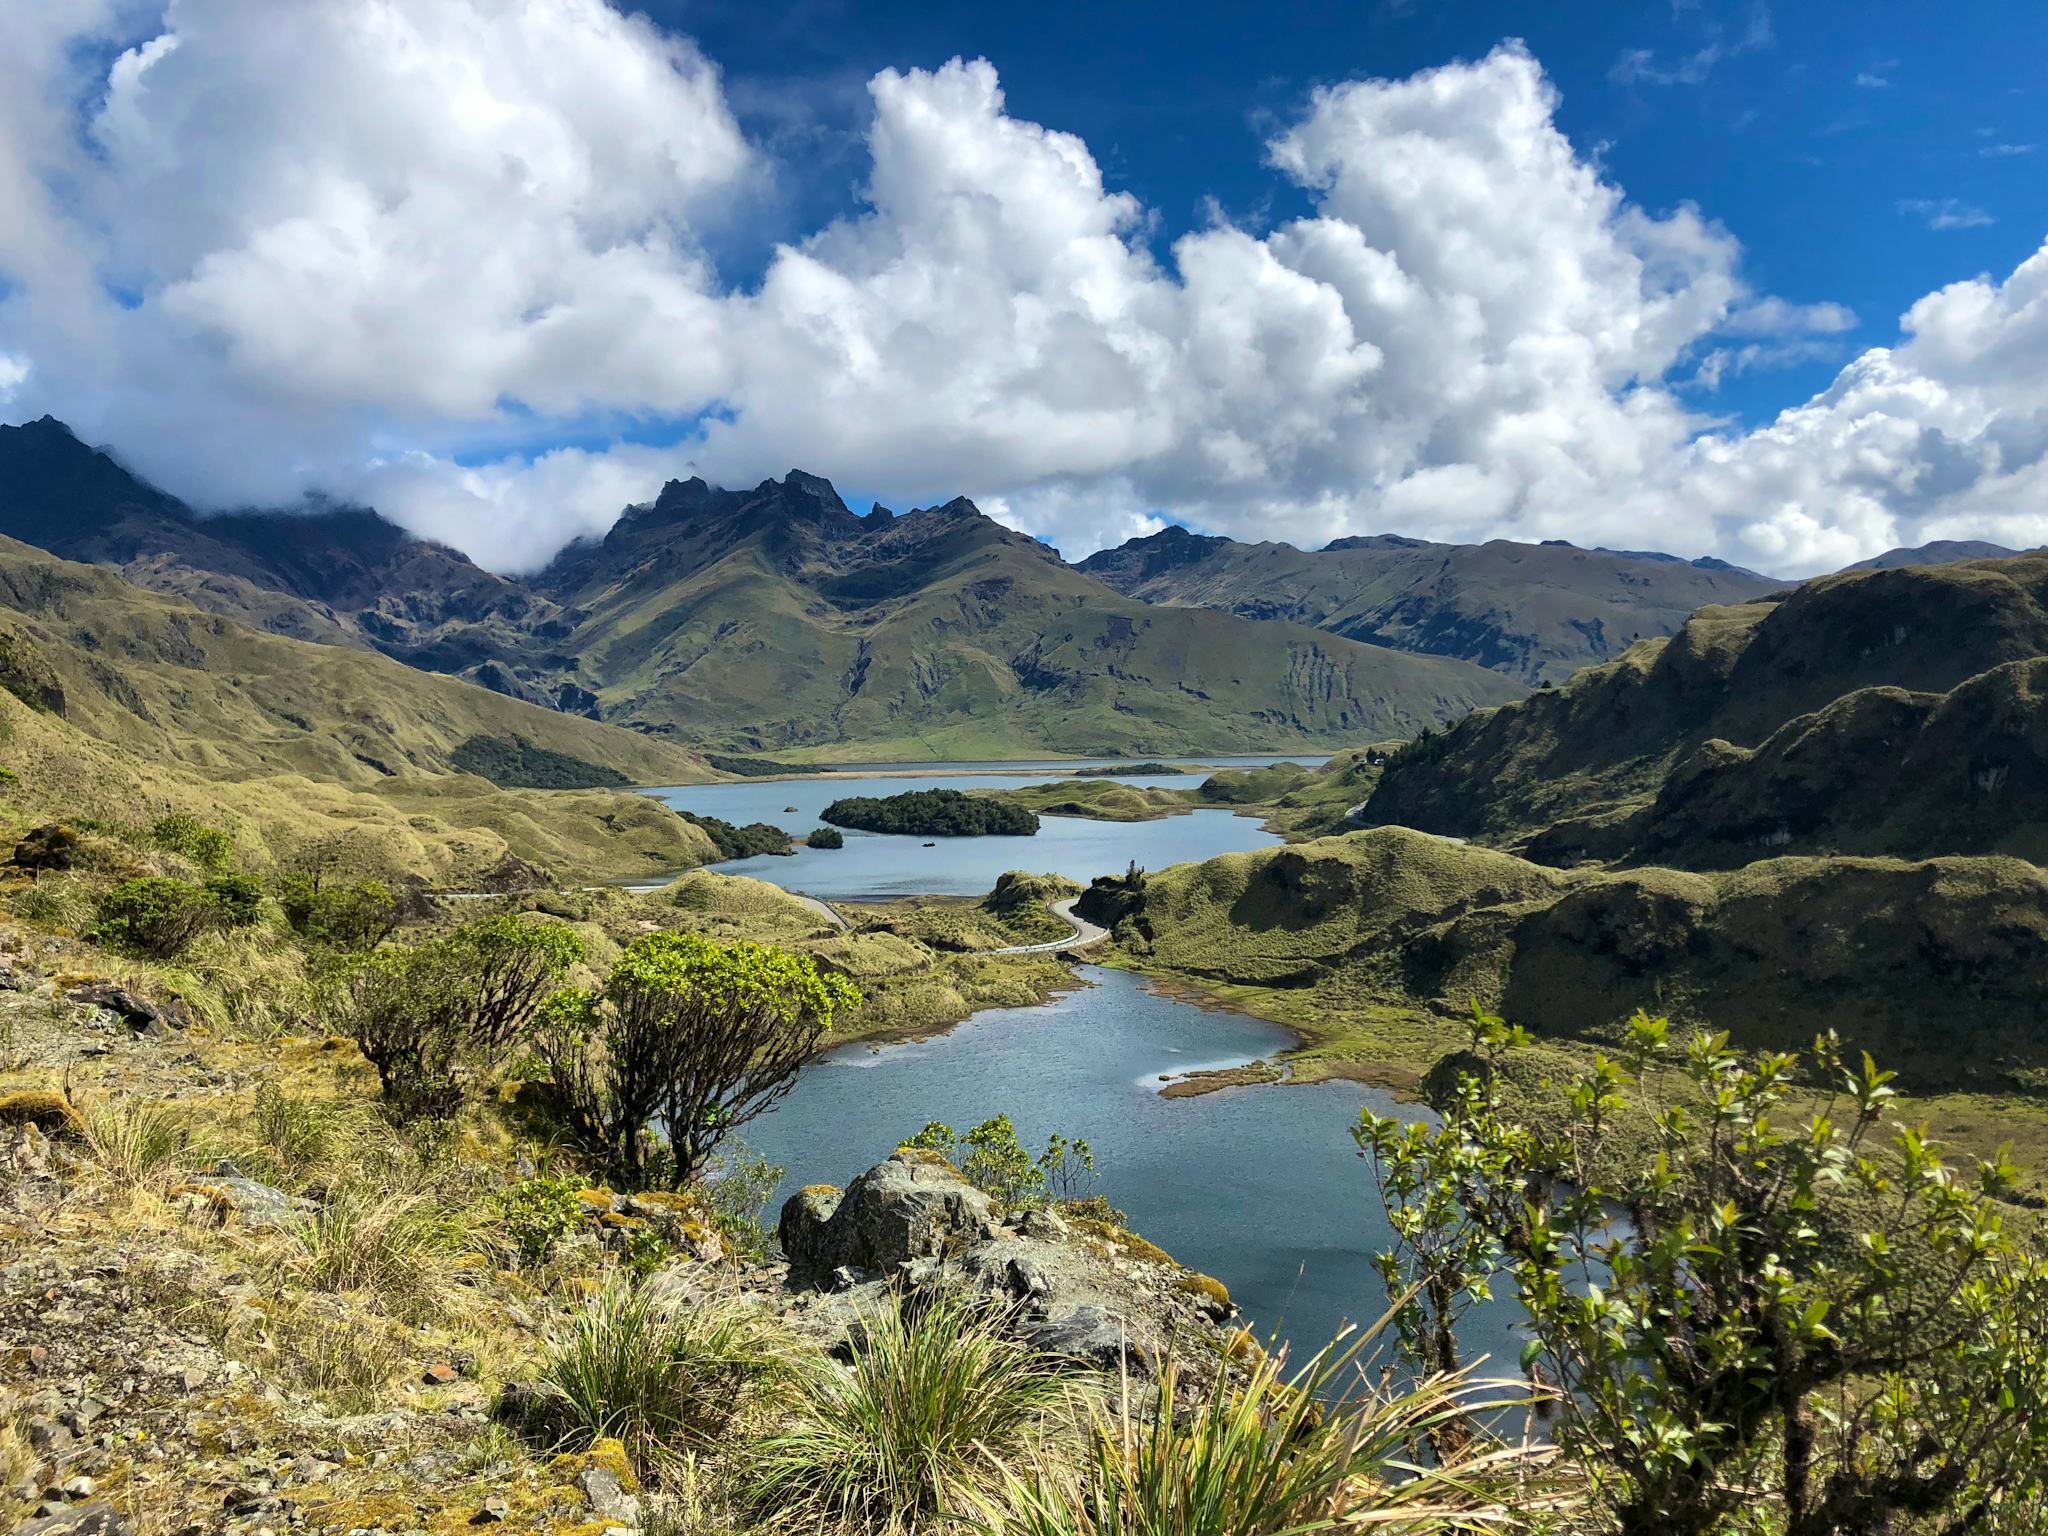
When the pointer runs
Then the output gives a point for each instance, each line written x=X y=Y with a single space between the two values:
x=452 y=256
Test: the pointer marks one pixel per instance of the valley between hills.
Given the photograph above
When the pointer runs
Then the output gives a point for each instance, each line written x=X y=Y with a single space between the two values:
x=294 y=797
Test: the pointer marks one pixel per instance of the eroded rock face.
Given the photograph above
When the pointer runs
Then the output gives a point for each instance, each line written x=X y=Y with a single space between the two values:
x=1080 y=1289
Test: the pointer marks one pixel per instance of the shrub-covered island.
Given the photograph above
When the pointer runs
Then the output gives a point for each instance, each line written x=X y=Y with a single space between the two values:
x=933 y=813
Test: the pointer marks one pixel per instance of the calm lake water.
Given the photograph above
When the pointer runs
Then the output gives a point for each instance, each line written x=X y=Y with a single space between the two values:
x=880 y=866
x=1261 y=1187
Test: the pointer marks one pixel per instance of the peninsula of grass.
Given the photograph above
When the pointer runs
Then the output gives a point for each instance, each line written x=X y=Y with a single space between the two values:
x=932 y=813
x=1098 y=800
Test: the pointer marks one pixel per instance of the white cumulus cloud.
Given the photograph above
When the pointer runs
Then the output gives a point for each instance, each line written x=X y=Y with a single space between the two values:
x=403 y=249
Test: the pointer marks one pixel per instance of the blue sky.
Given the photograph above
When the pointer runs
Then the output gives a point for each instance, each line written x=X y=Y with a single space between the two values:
x=1806 y=129
x=1765 y=282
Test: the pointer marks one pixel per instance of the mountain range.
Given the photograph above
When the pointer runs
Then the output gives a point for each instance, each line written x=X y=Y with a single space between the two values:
x=769 y=620
x=777 y=622
x=1534 y=612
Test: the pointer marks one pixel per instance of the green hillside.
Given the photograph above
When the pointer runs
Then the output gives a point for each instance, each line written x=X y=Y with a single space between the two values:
x=776 y=621
x=1938 y=965
x=1564 y=770
x=340 y=575
x=1537 y=612
x=771 y=620
x=147 y=672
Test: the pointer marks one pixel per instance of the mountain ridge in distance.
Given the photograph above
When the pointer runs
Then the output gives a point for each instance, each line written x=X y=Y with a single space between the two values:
x=766 y=620
x=1535 y=612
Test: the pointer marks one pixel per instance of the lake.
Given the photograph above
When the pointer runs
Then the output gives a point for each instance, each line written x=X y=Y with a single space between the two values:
x=877 y=866
x=1261 y=1187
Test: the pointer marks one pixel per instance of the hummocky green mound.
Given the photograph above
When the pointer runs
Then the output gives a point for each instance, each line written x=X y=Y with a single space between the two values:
x=1599 y=750
x=1939 y=964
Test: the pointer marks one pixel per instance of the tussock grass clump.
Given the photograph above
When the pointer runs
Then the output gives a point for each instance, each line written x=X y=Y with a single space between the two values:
x=57 y=901
x=1274 y=1453
x=937 y=1412
x=137 y=1141
x=301 y=1142
x=396 y=1247
x=656 y=1377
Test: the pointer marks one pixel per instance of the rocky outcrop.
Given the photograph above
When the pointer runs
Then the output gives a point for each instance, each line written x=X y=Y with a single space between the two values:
x=1071 y=1286
x=914 y=1206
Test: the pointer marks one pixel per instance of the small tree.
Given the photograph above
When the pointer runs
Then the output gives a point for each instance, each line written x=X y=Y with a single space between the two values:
x=1784 y=1314
x=432 y=1016
x=352 y=915
x=689 y=1035
x=992 y=1159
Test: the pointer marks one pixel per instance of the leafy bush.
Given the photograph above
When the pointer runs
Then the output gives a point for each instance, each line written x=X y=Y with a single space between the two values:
x=537 y=1213
x=296 y=1139
x=430 y=1016
x=352 y=916
x=933 y=813
x=156 y=916
x=740 y=1184
x=825 y=837
x=939 y=1405
x=695 y=1036
x=654 y=1376
x=239 y=898
x=208 y=847
x=1806 y=1311
x=991 y=1158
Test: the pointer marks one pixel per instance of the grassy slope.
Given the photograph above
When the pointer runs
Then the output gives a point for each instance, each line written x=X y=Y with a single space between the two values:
x=449 y=832
x=152 y=674
x=1389 y=928
x=1584 y=757
x=986 y=645
x=1534 y=612
x=1880 y=770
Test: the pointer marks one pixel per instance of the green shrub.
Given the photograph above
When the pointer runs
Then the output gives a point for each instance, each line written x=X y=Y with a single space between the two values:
x=239 y=898
x=431 y=1016
x=937 y=1407
x=740 y=1185
x=1807 y=1311
x=188 y=836
x=692 y=1035
x=825 y=837
x=156 y=916
x=352 y=916
x=296 y=1139
x=995 y=1162
x=535 y=1214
